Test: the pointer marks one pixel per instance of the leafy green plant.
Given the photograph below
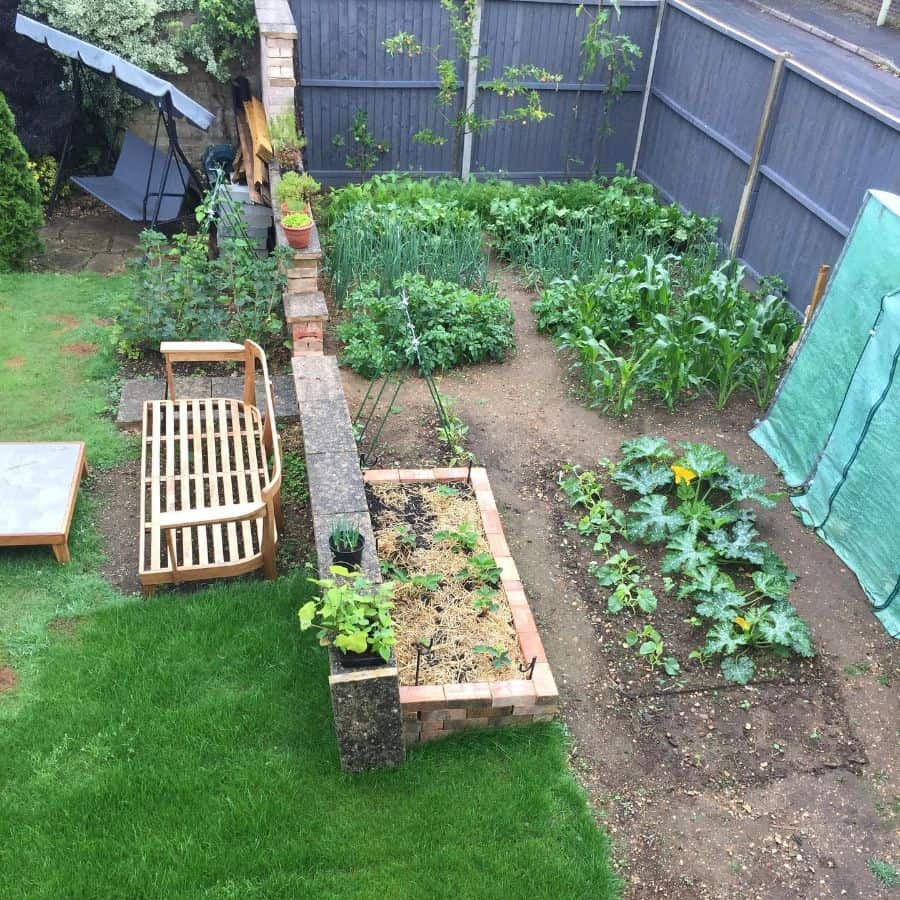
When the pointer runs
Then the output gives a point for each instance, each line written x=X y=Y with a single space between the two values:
x=453 y=325
x=351 y=613
x=295 y=483
x=452 y=431
x=45 y=168
x=21 y=216
x=177 y=291
x=296 y=220
x=287 y=142
x=406 y=537
x=363 y=149
x=623 y=574
x=885 y=873
x=464 y=537
x=615 y=51
x=650 y=646
x=485 y=600
x=446 y=490
x=658 y=327
x=499 y=656
x=693 y=504
x=482 y=570
x=344 y=535
x=296 y=188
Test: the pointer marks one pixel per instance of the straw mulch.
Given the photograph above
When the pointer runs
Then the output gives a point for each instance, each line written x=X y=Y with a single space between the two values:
x=406 y=519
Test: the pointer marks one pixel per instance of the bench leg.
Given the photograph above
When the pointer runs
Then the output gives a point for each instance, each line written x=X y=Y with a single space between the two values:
x=61 y=552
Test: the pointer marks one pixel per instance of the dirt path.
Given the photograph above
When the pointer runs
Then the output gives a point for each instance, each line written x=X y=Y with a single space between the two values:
x=781 y=790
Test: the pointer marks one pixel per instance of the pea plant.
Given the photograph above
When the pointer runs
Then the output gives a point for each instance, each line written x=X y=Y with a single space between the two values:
x=700 y=508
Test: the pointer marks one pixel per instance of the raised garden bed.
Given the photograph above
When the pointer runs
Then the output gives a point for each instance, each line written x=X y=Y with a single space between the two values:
x=444 y=523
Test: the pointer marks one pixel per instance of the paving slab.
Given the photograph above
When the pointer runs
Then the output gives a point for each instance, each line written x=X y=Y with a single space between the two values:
x=335 y=483
x=137 y=391
x=316 y=377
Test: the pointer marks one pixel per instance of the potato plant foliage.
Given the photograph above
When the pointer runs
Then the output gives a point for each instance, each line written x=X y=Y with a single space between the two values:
x=453 y=324
x=694 y=502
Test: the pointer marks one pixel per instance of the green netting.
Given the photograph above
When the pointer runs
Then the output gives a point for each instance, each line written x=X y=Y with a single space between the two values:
x=834 y=427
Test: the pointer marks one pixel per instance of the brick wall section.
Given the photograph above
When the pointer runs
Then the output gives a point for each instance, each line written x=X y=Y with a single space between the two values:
x=278 y=39
x=305 y=310
x=434 y=711
x=210 y=93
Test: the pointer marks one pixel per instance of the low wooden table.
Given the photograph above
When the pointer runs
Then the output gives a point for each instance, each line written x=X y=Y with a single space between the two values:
x=38 y=488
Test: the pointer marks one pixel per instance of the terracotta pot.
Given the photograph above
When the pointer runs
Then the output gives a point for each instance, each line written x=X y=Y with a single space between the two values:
x=298 y=238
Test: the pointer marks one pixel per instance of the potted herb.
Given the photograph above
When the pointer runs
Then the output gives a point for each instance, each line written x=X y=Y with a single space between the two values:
x=287 y=143
x=295 y=191
x=297 y=229
x=346 y=544
x=354 y=616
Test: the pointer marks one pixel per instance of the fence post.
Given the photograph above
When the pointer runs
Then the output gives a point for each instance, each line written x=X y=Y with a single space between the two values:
x=471 y=88
x=740 y=221
x=645 y=100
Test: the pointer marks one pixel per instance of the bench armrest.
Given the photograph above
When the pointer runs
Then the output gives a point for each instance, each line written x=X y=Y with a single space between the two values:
x=210 y=515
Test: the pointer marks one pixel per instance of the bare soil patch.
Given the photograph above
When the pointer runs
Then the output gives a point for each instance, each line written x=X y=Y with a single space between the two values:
x=66 y=321
x=79 y=348
x=698 y=804
x=8 y=679
x=413 y=527
x=14 y=362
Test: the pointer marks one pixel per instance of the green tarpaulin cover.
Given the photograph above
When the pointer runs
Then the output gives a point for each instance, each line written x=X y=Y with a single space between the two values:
x=834 y=426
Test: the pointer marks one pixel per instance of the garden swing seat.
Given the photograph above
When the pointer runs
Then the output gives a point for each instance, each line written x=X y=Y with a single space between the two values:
x=210 y=503
x=136 y=189
x=150 y=180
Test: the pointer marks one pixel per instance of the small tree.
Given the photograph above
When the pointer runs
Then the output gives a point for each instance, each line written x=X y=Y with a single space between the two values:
x=20 y=198
x=616 y=54
x=513 y=83
x=363 y=149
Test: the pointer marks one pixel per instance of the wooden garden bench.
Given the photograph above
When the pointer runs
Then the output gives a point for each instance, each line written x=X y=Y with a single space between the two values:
x=210 y=475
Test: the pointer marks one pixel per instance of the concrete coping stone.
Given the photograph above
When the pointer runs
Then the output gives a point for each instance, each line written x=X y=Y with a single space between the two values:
x=305 y=307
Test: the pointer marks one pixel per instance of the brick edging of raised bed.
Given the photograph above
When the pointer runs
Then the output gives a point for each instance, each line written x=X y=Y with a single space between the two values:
x=434 y=711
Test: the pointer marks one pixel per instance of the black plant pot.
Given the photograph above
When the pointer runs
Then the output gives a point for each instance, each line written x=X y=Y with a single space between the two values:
x=366 y=660
x=352 y=559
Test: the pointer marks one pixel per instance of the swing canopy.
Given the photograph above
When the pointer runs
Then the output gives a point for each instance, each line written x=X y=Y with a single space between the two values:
x=136 y=81
x=149 y=183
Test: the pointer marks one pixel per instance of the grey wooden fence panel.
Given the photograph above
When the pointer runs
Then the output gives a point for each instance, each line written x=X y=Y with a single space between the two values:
x=344 y=67
x=823 y=150
x=823 y=153
x=549 y=34
x=707 y=97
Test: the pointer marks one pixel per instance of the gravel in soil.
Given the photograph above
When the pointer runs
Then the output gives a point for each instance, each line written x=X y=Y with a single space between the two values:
x=699 y=805
x=414 y=527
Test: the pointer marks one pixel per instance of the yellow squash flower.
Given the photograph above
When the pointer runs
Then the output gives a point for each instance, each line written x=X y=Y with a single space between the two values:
x=683 y=475
x=742 y=623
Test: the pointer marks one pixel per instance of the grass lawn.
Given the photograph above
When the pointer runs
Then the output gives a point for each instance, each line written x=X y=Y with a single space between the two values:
x=183 y=747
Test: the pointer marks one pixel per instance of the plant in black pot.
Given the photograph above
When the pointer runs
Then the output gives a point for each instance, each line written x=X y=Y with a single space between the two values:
x=354 y=616
x=346 y=544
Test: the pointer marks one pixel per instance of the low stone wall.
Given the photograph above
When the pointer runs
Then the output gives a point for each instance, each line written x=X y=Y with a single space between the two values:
x=434 y=711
